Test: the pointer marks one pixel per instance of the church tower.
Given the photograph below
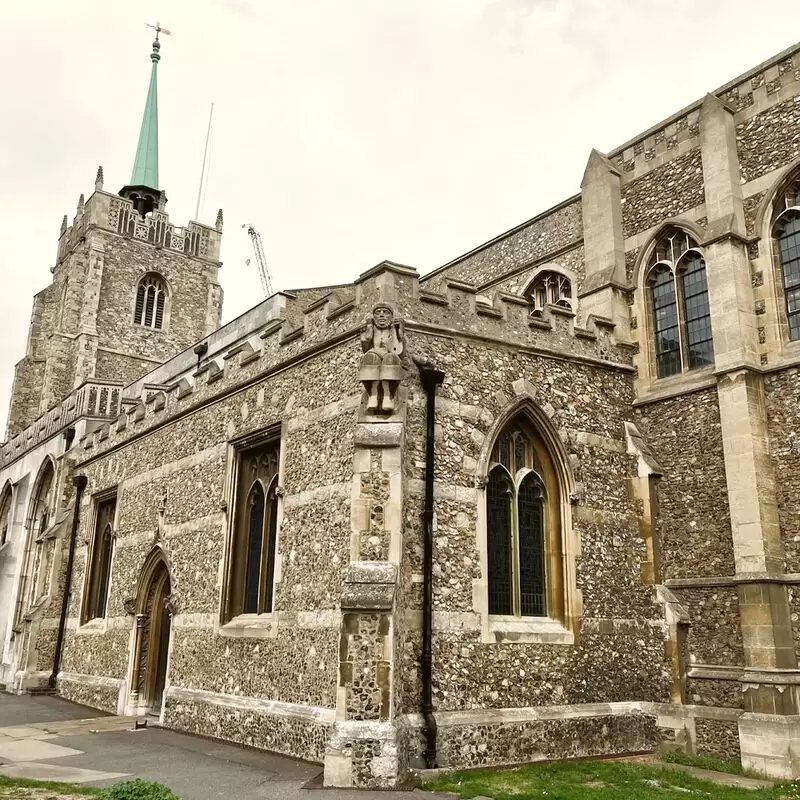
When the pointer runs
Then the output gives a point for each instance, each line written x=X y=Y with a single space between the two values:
x=130 y=289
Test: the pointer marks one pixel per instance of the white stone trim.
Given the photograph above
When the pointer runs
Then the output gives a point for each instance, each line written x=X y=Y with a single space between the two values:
x=91 y=680
x=276 y=708
x=529 y=630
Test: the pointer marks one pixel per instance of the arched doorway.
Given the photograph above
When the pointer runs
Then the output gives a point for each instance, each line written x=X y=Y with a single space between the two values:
x=153 y=624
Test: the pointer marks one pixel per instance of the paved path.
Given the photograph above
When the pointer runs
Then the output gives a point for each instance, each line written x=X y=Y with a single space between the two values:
x=50 y=739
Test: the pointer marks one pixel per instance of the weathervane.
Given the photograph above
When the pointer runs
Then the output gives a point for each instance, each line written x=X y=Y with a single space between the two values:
x=158 y=29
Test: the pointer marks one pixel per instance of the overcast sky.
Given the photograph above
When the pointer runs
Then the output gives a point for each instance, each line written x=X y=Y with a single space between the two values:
x=346 y=131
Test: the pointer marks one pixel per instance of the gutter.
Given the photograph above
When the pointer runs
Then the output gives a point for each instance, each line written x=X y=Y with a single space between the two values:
x=431 y=378
x=80 y=484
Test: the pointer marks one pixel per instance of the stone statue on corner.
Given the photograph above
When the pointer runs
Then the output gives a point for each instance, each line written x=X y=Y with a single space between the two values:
x=381 y=369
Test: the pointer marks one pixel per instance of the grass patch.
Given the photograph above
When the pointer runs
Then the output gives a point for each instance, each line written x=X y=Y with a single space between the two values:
x=731 y=766
x=8 y=785
x=597 y=780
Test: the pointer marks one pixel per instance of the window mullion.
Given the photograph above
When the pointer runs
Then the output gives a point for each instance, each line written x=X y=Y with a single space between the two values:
x=262 y=575
x=680 y=311
x=516 y=600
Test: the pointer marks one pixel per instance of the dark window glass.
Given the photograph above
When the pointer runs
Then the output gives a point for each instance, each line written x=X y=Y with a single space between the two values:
x=665 y=322
x=498 y=514
x=697 y=315
x=531 y=548
x=255 y=542
x=519 y=451
x=272 y=536
x=789 y=244
x=504 y=451
x=104 y=572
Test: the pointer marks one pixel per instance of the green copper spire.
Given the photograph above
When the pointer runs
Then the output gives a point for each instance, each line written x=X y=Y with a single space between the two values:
x=145 y=168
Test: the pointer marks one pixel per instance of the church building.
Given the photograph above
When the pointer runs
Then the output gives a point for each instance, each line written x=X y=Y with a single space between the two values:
x=539 y=503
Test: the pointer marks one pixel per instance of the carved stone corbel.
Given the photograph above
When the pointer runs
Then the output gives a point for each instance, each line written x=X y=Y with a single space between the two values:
x=129 y=604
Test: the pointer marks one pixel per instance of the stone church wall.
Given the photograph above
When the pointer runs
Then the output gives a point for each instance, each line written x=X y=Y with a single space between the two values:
x=782 y=392
x=619 y=620
x=294 y=661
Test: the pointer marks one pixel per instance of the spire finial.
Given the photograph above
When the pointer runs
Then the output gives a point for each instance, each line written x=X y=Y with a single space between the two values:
x=63 y=225
x=98 y=180
x=218 y=224
x=79 y=209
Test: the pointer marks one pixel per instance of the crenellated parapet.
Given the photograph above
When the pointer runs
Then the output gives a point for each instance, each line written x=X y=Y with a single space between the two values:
x=116 y=214
x=93 y=400
x=292 y=330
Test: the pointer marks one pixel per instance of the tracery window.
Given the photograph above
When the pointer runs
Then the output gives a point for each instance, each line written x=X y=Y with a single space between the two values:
x=251 y=572
x=150 y=299
x=549 y=288
x=5 y=514
x=786 y=231
x=523 y=527
x=41 y=544
x=99 y=566
x=681 y=315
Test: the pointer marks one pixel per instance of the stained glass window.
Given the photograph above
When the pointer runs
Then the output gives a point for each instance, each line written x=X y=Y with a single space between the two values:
x=255 y=541
x=516 y=543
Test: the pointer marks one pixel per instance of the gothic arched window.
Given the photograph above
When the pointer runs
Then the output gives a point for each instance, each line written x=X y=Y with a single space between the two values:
x=523 y=527
x=681 y=317
x=786 y=231
x=5 y=514
x=151 y=297
x=36 y=578
x=549 y=288
x=251 y=573
x=99 y=560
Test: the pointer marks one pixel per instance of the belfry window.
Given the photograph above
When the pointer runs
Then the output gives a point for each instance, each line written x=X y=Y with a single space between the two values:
x=786 y=231
x=681 y=317
x=549 y=288
x=150 y=301
x=251 y=571
x=99 y=560
x=523 y=527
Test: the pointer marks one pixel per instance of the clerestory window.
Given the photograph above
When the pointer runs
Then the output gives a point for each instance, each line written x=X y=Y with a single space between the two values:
x=786 y=230
x=681 y=316
x=151 y=298
x=5 y=514
x=549 y=288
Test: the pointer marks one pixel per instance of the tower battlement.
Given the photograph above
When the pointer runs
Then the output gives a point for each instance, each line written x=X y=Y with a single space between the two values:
x=116 y=214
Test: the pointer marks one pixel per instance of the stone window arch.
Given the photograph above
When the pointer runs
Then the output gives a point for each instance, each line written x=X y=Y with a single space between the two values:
x=786 y=236
x=151 y=301
x=550 y=287
x=101 y=547
x=250 y=574
x=524 y=527
x=35 y=582
x=678 y=305
x=5 y=514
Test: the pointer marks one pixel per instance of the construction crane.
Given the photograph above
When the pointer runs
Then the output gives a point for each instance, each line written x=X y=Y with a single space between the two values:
x=261 y=259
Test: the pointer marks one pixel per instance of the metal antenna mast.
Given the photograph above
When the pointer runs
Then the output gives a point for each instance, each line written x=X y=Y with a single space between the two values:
x=203 y=169
x=261 y=259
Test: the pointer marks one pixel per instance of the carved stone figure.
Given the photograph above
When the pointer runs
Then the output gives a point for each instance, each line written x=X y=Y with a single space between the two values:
x=381 y=369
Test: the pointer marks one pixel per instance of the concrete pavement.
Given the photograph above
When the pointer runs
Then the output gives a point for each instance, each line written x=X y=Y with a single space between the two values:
x=47 y=738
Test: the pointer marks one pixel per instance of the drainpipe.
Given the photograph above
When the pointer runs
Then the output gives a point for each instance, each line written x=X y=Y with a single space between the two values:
x=431 y=378
x=80 y=484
